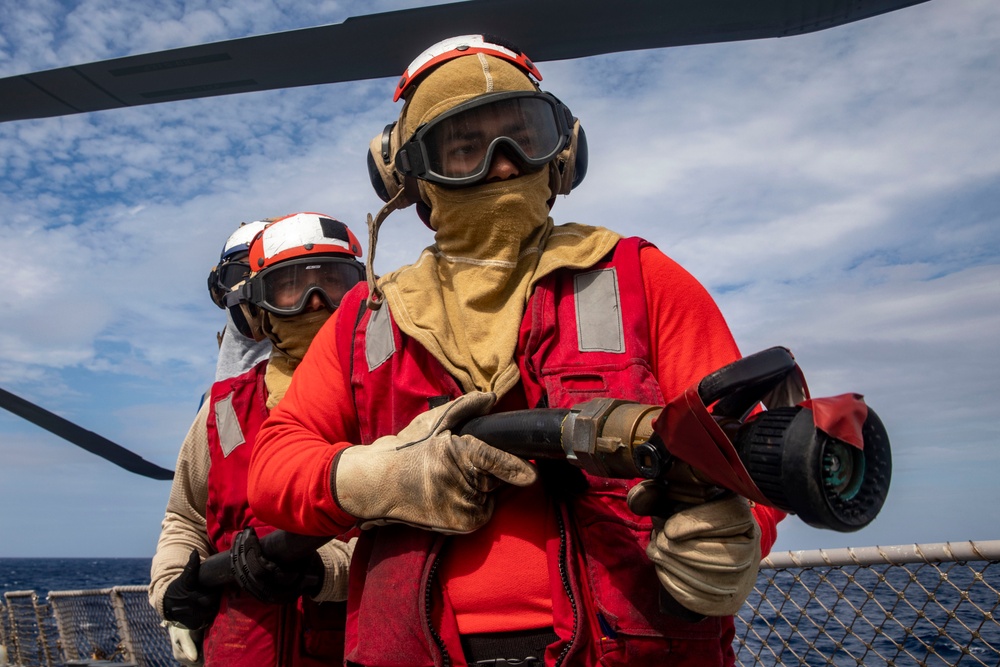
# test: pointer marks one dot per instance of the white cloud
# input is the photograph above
(835, 191)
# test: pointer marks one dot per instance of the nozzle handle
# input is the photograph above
(740, 385)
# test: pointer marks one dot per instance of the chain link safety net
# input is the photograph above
(30, 635)
(87, 627)
(933, 605)
(912, 605)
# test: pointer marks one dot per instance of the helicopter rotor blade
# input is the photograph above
(381, 45)
(81, 437)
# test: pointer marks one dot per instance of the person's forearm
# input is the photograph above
(178, 536)
(289, 482)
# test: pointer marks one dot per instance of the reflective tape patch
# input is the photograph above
(228, 426)
(379, 344)
(598, 311)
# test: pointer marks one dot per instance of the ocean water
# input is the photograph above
(66, 574)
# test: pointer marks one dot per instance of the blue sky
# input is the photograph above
(838, 193)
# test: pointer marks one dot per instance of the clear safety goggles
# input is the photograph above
(286, 289)
(224, 277)
(457, 147)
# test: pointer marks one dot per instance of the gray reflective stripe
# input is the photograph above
(379, 344)
(598, 311)
(228, 426)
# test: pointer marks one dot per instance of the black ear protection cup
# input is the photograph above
(582, 155)
(213, 288)
(246, 316)
(381, 170)
(376, 179)
(571, 163)
(240, 320)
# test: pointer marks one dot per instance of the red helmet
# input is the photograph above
(464, 45)
(296, 257)
(300, 235)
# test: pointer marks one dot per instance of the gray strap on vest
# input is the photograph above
(598, 311)
(379, 344)
(228, 426)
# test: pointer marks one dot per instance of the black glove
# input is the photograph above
(266, 580)
(187, 602)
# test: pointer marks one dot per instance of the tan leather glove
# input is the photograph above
(706, 556)
(427, 477)
(184, 643)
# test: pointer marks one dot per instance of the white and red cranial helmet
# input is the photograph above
(302, 235)
(463, 45)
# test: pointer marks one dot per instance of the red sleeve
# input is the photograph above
(767, 519)
(289, 481)
(687, 333)
(689, 340)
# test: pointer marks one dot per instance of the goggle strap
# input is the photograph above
(234, 297)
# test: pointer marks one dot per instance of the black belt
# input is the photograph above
(523, 648)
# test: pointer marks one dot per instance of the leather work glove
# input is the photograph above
(268, 581)
(706, 556)
(186, 602)
(184, 644)
(427, 477)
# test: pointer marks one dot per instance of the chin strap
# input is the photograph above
(399, 201)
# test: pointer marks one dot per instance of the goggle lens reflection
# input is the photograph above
(232, 273)
(287, 288)
(459, 146)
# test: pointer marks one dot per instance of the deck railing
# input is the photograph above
(83, 627)
(931, 604)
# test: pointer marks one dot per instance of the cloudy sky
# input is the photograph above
(838, 193)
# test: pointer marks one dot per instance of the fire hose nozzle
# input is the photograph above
(786, 457)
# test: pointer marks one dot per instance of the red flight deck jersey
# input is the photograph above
(291, 468)
(246, 631)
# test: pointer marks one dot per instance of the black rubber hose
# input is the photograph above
(526, 433)
(530, 434)
(280, 546)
